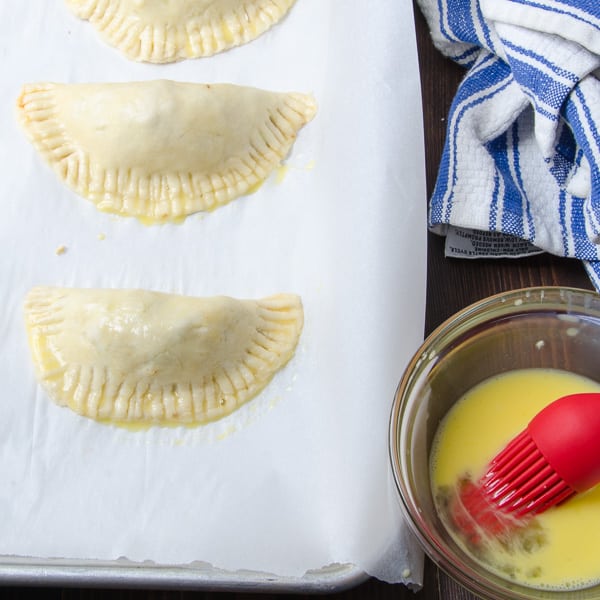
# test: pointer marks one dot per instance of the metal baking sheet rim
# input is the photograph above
(123, 573)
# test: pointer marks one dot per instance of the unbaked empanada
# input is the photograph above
(161, 150)
(149, 357)
(162, 31)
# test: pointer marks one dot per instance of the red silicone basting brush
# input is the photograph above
(556, 456)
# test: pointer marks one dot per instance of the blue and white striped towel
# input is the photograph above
(522, 151)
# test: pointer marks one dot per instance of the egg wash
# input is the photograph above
(558, 549)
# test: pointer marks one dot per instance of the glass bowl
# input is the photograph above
(542, 327)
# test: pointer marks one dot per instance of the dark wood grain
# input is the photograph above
(452, 284)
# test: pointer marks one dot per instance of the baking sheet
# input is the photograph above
(298, 478)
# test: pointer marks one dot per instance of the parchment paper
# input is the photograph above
(298, 478)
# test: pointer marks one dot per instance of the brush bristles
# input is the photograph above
(520, 481)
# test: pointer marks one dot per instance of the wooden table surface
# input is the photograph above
(451, 285)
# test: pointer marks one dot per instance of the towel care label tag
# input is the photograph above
(471, 243)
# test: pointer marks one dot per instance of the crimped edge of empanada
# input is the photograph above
(90, 392)
(191, 38)
(158, 197)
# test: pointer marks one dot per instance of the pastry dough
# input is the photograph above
(161, 150)
(149, 357)
(162, 31)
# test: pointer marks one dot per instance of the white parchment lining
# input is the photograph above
(298, 478)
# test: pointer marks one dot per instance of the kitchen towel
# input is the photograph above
(521, 162)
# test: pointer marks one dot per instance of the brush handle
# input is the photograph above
(567, 433)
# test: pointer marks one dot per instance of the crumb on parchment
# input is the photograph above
(60, 250)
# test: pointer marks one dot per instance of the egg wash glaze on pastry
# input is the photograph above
(161, 31)
(144, 357)
(161, 150)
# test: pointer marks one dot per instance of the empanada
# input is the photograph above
(161, 150)
(148, 357)
(161, 31)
